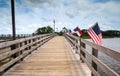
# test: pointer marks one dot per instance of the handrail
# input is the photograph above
(79, 44)
(24, 47)
(8, 43)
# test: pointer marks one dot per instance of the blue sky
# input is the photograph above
(32, 14)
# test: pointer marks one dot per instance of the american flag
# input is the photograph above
(69, 32)
(95, 34)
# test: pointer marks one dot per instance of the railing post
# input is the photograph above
(12, 48)
(38, 40)
(78, 46)
(25, 43)
(94, 65)
(67, 37)
(21, 52)
(81, 52)
(41, 40)
(74, 45)
(30, 45)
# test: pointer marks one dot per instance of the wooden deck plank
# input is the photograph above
(55, 58)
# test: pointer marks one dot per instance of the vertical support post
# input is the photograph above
(41, 42)
(94, 65)
(78, 46)
(25, 43)
(81, 52)
(30, 45)
(36, 43)
(73, 43)
(38, 40)
(21, 52)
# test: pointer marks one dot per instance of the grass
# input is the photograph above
(4, 62)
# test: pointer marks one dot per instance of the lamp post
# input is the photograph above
(13, 19)
(13, 28)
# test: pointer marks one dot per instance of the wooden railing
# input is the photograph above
(80, 46)
(15, 51)
(8, 37)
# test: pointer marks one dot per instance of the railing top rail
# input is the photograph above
(23, 47)
(110, 52)
(93, 56)
(8, 43)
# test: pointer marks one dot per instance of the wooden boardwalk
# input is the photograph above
(55, 58)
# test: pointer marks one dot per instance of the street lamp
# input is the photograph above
(13, 19)
(13, 28)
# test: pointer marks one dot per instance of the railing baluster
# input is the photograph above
(96, 62)
(94, 65)
(18, 48)
(12, 48)
(81, 52)
(76, 48)
(21, 52)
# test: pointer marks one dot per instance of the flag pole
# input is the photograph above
(54, 25)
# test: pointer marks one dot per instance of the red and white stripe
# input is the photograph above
(95, 38)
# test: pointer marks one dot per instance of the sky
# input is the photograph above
(32, 14)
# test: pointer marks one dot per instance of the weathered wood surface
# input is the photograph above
(96, 49)
(23, 49)
(55, 58)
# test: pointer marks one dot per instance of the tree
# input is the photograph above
(64, 29)
(44, 30)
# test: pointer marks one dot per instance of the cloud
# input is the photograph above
(70, 15)
(67, 13)
(30, 28)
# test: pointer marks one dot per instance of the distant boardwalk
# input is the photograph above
(55, 58)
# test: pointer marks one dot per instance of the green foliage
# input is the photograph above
(75, 34)
(44, 30)
(105, 34)
(60, 33)
(111, 33)
(64, 30)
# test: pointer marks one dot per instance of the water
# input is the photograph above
(112, 43)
